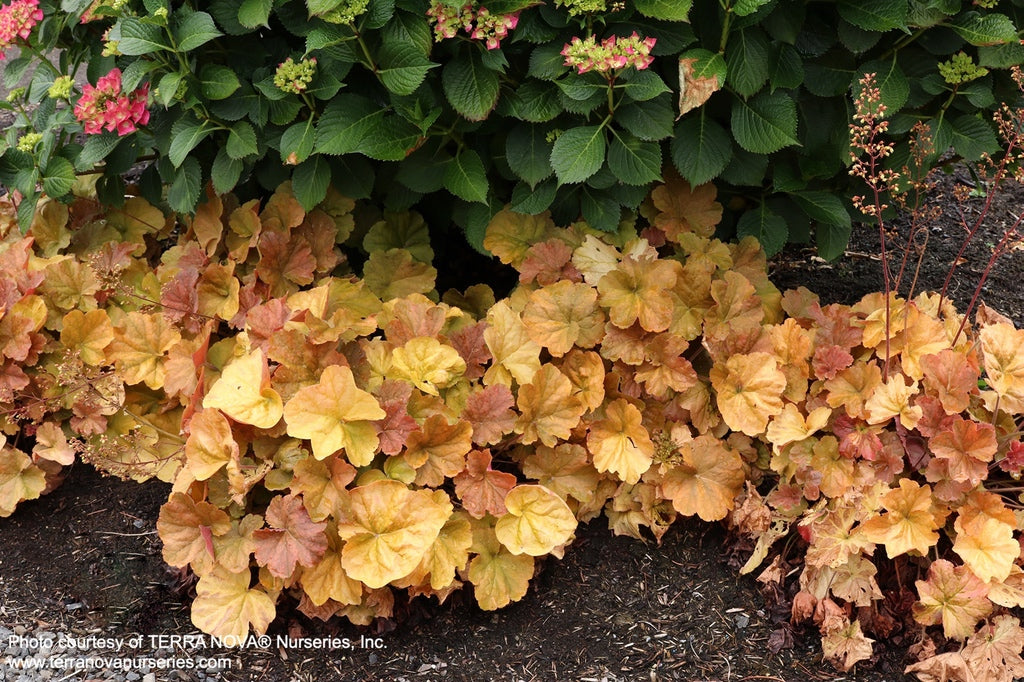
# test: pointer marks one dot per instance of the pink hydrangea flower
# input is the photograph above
(17, 21)
(611, 53)
(479, 23)
(104, 106)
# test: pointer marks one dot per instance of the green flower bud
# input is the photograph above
(28, 142)
(61, 88)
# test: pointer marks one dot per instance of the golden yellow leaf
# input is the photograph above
(565, 469)
(498, 576)
(233, 550)
(226, 607)
(326, 579)
(987, 547)
(449, 553)
(707, 479)
(851, 388)
(427, 364)
(586, 372)
(790, 425)
(388, 530)
(217, 291)
(892, 399)
(322, 485)
(510, 235)
(335, 414)
(748, 391)
(537, 521)
(20, 479)
(243, 392)
(547, 409)
(139, 348)
(395, 274)
(88, 333)
(516, 356)
(1003, 349)
(619, 443)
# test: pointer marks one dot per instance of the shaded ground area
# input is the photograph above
(86, 560)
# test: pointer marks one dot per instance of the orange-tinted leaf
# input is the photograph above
(139, 347)
(892, 399)
(394, 429)
(20, 479)
(640, 290)
(987, 547)
(88, 333)
(707, 479)
(286, 262)
(292, 539)
(243, 392)
(226, 607)
(547, 263)
(790, 425)
(1003, 348)
(438, 450)
(210, 445)
(335, 414)
(187, 528)
(52, 445)
(748, 391)
(481, 488)
(322, 484)
(910, 521)
(564, 315)
(388, 530)
(548, 410)
(516, 356)
(967, 447)
(952, 378)
(953, 596)
(619, 443)
(682, 209)
(565, 469)
(586, 372)
(489, 411)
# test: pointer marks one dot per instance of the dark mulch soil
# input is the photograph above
(87, 559)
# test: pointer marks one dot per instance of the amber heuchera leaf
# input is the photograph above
(20, 479)
(987, 547)
(1003, 348)
(844, 647)
(516, 356)
(910, 522)
(243, 392)
(564, 315)
(187, 529)
(438, 450)
(537, 521)
(967, 447)
(547, 409)
(489, 411)
(683, 209)
(327, 579)
(52, 445)
(953, 596)
(510, 235)
(292, 539)
(210, 444)
(565, 469)
(499, 577)
(322, 484)
(88, 333)
(388, 529)
(226, 607)
(481, 488)
(139, 346)
(619, 443)
(640, 290)
(748, 391)
(993, 652)
(335, 414)
(427, 364)
(706, 481)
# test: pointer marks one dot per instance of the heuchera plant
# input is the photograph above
(458, 108)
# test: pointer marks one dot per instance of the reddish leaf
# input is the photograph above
(292, 539)
(490, 413)
(482, 489)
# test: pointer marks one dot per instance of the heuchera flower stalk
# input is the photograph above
(104, 106)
